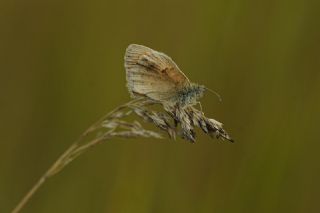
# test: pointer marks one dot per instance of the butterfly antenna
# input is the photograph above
(215, 93)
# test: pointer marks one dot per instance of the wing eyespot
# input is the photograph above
(164, 71)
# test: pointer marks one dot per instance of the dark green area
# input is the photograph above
(61, 66)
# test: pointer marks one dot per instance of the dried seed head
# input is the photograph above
(173, 120)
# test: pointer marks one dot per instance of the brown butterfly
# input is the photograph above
(155, 75)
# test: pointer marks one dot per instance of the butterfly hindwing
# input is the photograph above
(152, 73)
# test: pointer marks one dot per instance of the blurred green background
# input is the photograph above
(61, 65)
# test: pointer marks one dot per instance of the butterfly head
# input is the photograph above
(190, 94)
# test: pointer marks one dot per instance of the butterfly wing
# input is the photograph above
(152, 74)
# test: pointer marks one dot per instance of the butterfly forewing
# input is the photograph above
(152, 74)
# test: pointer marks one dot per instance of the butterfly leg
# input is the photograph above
(198, 102)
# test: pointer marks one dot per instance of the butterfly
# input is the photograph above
(155, 75)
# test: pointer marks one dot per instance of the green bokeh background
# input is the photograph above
(61, 66)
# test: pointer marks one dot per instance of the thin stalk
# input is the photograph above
(69, 155)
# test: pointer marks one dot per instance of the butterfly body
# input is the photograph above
(155, 75)
(189, 95)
